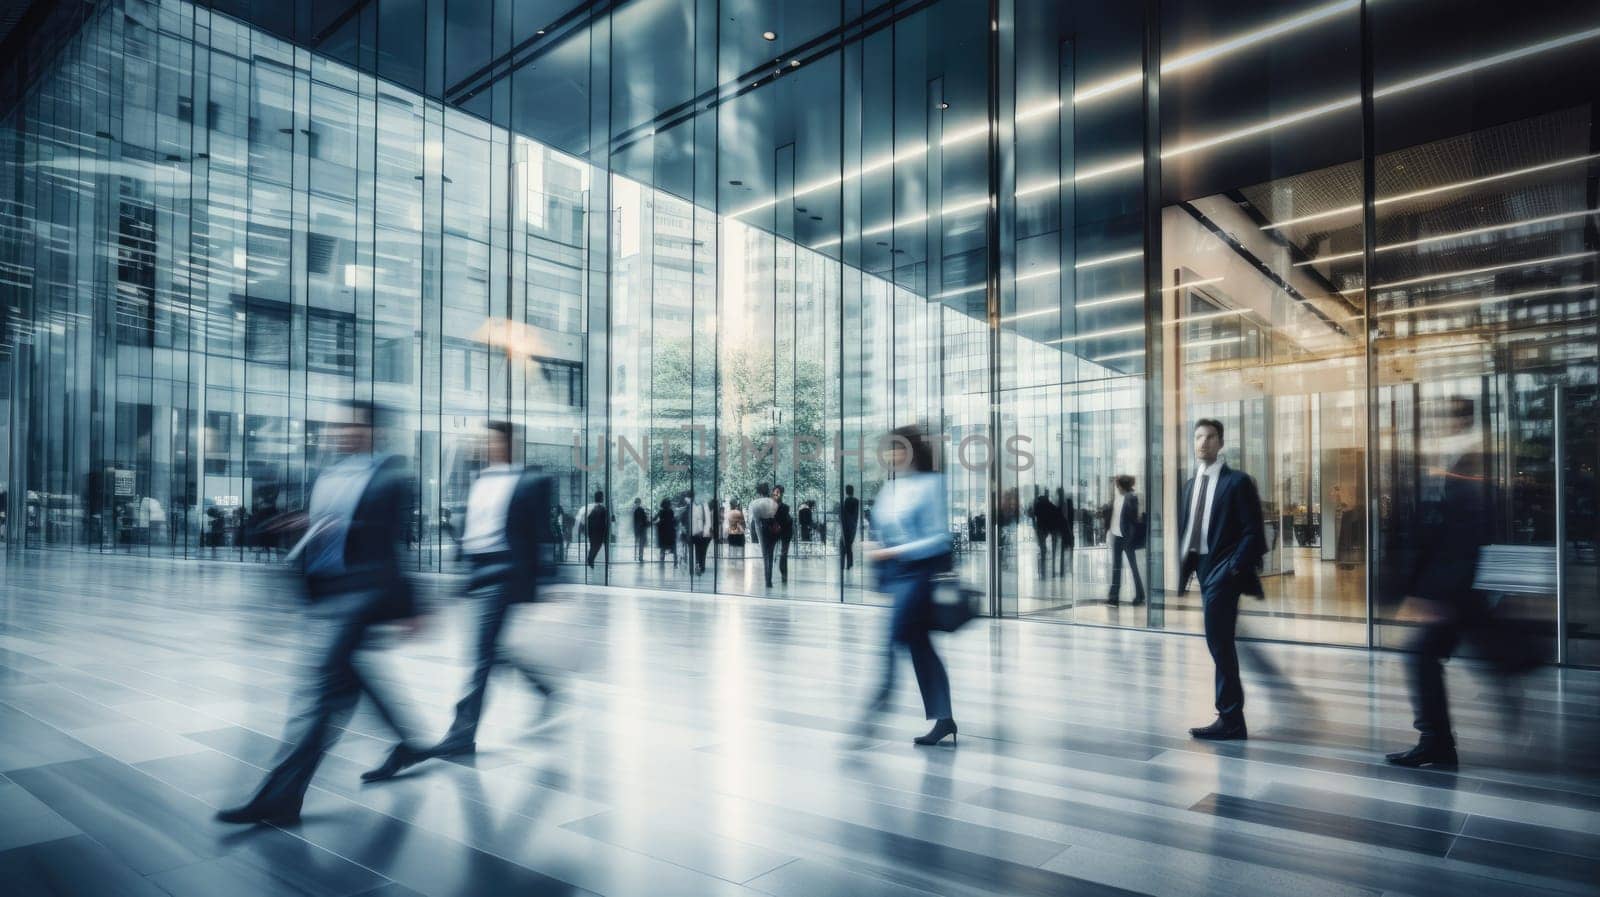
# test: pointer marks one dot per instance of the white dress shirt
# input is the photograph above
(487, 506)
(700, 519)
(1211, 472)
(1116, 515)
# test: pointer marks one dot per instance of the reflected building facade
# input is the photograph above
(740, 241)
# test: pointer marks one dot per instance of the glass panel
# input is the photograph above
(1483, 297)
(1261, 298)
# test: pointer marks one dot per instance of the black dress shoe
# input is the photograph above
(1221, 731)
(1113, 602)
(1425, 755)
(443, 751)
(401, 757)
(938, 732)
(1138, 601)
(252, 814)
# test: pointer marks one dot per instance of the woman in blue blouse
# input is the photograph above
(913, 528)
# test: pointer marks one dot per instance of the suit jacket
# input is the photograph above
(1237, 540)
(850, 516)
(531, 559)
(374, 582)
(1451, 523)
(1129, 523)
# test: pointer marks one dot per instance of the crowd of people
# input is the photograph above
(514, 536)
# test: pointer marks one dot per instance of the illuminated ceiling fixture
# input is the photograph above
(1351, 102)
(1211, 53)
(1429, 191)
(1483, 300)
(1118, 299)
(769, 35)
(1118, 356)
(1474, 232)
(954, 209)
(1097, 334)
(1029, 314)
(1108, 259)
(1035, 275)
(1529, 263)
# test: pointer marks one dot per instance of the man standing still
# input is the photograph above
(849, 517)
(357, 520)
(1222, 543)
(641, 529)
(507, 555)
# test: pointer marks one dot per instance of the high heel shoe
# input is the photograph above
(938, 732)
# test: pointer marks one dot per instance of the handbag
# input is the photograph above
(953, 603)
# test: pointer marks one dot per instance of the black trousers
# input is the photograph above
(702, 544)
(783, 559)
(1123, 548)
(595, 544)
(1434, 643)
(640, 537)
(769, 551)
(326, 700)
(1043, 540)
(489, 607)
(1221, 605)
(848, 547)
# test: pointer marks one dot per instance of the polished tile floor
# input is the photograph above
(708, 755)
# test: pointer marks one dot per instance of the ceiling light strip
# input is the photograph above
(1458, 235)
(1528, 263)
(1483, 300)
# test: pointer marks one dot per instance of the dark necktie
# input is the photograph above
(1198, 523)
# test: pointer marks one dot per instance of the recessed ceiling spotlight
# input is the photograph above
(800, 210)
(944, 105)
(736, 183)
(816, 217)
(769, 35)
(883, 242)
(794, 63)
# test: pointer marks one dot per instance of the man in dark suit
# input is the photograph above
(508, 552)
(1125, 539)
(1221, 542)
(1439, 541)
(849, 517)
(359, 512)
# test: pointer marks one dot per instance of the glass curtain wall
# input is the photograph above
(696, 246)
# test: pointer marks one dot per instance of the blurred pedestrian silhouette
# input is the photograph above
(1438, 551)
(508, 550)
(666, 532)
(596, 522)
(849, 518)
(912, 524)
(785, 532)
(358, 516)
(1126, 539)
(1222, 542)
(702, 528)
(764, 527)
(734, 526)
(641, 529)
(1061, 539)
